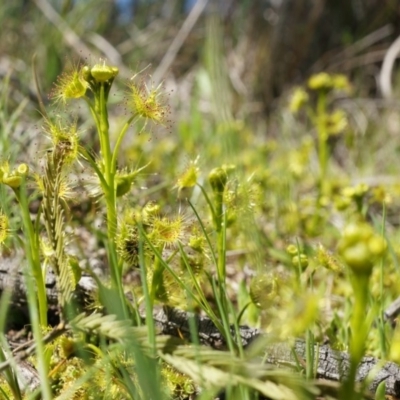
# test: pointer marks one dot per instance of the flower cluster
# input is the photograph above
(13, 178)
(360, 247)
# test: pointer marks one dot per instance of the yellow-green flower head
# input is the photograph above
(360, 247)
(189, 177)
(103, 73)
(10, 178)
(127, 241)
(263, 289)
(124, 180)
(4, 227)
(14, 178)
(357, 192)
(70, 85)
(149, 212)
(326, 260)
(321, 81)
(65, 140)
(298, 100)
(197, 242)
(342, 203)
(380, 195)
(4, 170)
(146, 101)
(22, 169)
(292, 249)
(300, 260)
(337, 122)
(340, 82)
(218, 177)
(166, 231)
(123, 183)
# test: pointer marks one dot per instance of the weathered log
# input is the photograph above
(332, 365)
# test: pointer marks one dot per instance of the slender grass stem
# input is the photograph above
(383, 343)
(38, 316)
(359, 333)
(119, 141)
(33, 253)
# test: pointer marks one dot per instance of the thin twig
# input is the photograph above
(179, 40)
(385, 76)
(27, 349)
(74, 41)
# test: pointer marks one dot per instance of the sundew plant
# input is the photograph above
(170, 251)
(109, 346)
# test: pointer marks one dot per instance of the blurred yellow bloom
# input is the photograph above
(298, 100)
(4, 227)
(321, 81)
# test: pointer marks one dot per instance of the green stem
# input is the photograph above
(35, 292)
(319, 120)
(119, 141)
(310, 355)
(209, 202)
(156, 280)
(359, 333)
(33, 254)
(382, 324)
(101, 119)
(322, 141)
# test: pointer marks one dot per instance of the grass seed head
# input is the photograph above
(65, 139)
(4, 227)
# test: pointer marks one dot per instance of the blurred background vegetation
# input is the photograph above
(228, 68)
(264, 46)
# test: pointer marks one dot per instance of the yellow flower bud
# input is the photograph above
(292, 249)
(341, 82)
(23, 169)
(358, 257)
(150, 210)
(263, 288)
(218, 179)
(14, 181)
(103, 72)
(301, 259)
(298, 100)
(360, 247)
(321, 81)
